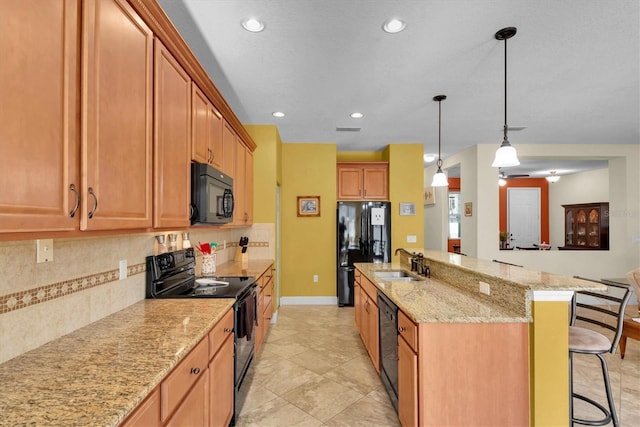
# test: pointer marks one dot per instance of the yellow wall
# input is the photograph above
(308, 244)
(406, 178)
(361, 156)
(266, 171)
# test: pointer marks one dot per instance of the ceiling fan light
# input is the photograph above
(552, 177)
(439, 179)
(506, 156)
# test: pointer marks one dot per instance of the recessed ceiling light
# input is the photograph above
(253, 25)
(394, 25)
(356, 115)
(429, 158)
(277, 114)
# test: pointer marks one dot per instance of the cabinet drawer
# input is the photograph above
(408, 330)
(183, 377)
(370, 289)
(219, 332)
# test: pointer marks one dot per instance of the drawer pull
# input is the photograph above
(195, 371)
(401, 329)
(228, 330)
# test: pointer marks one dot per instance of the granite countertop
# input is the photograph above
(96, 375)
(431, 300)
(533, 280)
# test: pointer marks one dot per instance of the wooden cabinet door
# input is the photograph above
(171, 172)
(229, 151)
(200, 132)
(239, 182)
(349, 183)
(215, 137)
(38, 113)
(194, 410)
(375, 183)
(373, 324)
(117, 93)
(221, 380)
(147, 414)
(407, 384)
(248, 186)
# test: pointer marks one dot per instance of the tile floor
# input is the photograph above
(314, 371)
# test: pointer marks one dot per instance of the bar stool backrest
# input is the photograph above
(604, 309)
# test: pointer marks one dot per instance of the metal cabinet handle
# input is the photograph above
(72, 187)
(401, 329)
(195, 371)
(95, 203)
(228, 330)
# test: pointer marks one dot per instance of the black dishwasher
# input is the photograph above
(388, 313)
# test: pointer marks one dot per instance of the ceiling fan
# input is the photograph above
(503, 175)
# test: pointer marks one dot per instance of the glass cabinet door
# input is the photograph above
(569, 227)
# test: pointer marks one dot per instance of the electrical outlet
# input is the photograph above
(44, 250)
(411, 239)
(485, 288)
(123, 269)
(315, 278)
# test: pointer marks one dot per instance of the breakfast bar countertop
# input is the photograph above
(451, 294)
(97, 374)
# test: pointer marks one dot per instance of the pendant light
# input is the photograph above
(505, 155)
(439, 179)
(552, 177)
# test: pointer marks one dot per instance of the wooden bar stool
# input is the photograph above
(587, 341)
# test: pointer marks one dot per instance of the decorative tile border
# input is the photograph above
(22, 299)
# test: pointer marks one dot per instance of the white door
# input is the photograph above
(523, 216)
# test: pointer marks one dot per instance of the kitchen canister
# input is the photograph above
(162, 246)
(173, 242)
(208, 264)
(186, 243)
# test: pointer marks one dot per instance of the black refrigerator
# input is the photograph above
(363, 235)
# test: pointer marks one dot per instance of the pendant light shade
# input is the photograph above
(439, 179)
(505, 155)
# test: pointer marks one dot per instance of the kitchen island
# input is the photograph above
(500, 359)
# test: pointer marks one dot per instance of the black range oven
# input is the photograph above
(172, 275)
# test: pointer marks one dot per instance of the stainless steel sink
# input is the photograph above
(396, 275)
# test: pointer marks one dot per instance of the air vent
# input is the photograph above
(348, 129)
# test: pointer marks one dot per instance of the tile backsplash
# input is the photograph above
(41, 302)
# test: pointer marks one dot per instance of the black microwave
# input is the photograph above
(211, 195)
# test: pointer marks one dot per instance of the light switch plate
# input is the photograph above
(44, 250)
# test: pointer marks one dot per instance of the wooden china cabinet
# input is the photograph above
(586, 226)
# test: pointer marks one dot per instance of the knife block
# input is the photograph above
(243, 258)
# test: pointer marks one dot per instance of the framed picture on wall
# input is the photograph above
(308, 205)
(430, 196)
(468, 209)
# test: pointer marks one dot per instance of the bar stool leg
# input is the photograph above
(607, 387)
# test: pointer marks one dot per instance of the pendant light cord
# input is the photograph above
(439, 132)
(505, 90)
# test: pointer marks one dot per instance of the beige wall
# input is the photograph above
(479, 234)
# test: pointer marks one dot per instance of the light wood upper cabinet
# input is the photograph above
(172, 138)
(243, 185)
(363, 180)
(206, 130)
(117, 93)
(38, 115)
(229, 145)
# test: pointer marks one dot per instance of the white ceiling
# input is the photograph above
(573, 69)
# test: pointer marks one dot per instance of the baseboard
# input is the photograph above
(308, 300)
